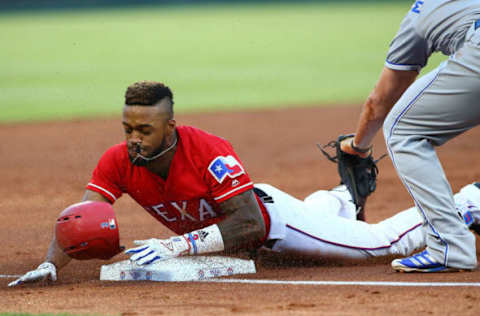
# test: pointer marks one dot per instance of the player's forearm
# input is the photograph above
(244, 227)
(242, 233)
(389, 88)
(56, 255)
(371, 120)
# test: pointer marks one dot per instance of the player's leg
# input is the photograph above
(436, 108)
(309, 228)
(467, 204)
(313, 229)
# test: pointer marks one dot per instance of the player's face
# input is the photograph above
(147, 130)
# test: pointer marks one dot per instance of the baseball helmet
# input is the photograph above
(88, 230)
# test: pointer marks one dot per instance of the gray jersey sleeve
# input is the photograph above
(430, 26)
(409, 50)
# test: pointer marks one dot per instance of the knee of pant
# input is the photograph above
(321, 200)
(393, 142)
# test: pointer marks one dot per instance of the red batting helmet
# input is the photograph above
(88, 230)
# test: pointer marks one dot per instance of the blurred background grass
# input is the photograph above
(66, 64)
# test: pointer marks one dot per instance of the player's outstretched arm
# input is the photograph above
(389, 88)
(242, 228)
(56, 259)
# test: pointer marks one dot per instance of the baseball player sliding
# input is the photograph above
(417, 116)
(195, 184)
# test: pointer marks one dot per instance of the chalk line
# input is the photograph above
(9, 276)
(361, 283)
(319, 283)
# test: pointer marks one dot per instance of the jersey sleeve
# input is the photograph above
(225, 174)
(106, 177)
(409, 50)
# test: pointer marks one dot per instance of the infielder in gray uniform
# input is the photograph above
(419, 115)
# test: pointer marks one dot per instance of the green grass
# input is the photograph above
(23, 314)
(78, 64)
(27, 314)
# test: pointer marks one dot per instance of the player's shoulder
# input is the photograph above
(201, 147)
(428, 13)
(196, 137)
(117, 153)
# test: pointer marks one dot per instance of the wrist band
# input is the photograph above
(205, 240)
(358, 149)
(194, 249)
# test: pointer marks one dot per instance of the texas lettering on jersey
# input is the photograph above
(204, 172)
(194, 211)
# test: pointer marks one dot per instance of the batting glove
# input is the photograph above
(152, 250)
(45, 271)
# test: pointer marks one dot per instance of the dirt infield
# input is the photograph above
(45, 166)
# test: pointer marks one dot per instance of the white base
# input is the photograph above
(177, 269)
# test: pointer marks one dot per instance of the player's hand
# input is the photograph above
(45, 271)
(348, 146)
(152, 250)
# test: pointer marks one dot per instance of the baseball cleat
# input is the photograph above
(420, 262)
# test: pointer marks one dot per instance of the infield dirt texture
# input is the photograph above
(44, 167)
(77, 64)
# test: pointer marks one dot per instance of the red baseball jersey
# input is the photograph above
(205, 171)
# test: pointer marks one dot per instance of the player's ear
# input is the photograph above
(170, 126)
(171, 123)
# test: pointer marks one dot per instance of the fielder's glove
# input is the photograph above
(357, 169)
(152, 250)
(45, 271)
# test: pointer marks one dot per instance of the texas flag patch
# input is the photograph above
(221, 167)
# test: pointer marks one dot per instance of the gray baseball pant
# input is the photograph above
(435, 108)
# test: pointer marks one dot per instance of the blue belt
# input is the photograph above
(477, 24)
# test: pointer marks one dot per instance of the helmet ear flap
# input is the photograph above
(88, 230)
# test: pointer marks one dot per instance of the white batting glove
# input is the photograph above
(43, 272)
(152, 250)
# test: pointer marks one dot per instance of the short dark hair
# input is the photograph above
(148, 93)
